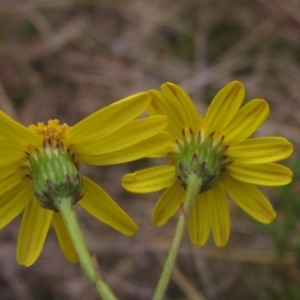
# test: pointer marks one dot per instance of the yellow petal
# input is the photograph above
(100, 205)
(168, 204)
(165, 151)
(247, 120)
(13, 201)
(181, 101)
(161, 105)
(109, 119)
(64, 238)
(249, 198)
(269, 174)
(10, 168)
(199, 220)
(134, 152)
(10, 129)
(224, 107)
(131, 134)
(260, 150)
(150, 180)
(10, 151)
(12, 180)
(33, 231)
(219, 214)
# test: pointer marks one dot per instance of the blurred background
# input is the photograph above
(65, 59)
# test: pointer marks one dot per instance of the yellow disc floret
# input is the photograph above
(52, 131)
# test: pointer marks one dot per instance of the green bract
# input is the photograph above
(55, 175)
(202, 158)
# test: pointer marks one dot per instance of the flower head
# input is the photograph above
(41, 164)
(218, 149)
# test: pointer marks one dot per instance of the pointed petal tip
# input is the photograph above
(169, 83)
(269, 216)
(222, 242)
(199, 242)
(285, 177)
(128, 178)
(143, 95)
(26, 261)
(128, 229)
(158, 220)
(261, 108)
(289, 178)
(236, 86)
(161, 121)
(173, 87)
(154, 93)
(237, 83)
(128, 182)
(221, 238)
(131, 230)
(264, 103)
(289, 148)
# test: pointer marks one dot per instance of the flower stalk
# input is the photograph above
(193, 186)
(90, 269)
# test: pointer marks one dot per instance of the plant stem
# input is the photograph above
(86, 261)
(192, 191)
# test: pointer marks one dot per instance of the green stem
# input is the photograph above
(86, 261)
(192, 191)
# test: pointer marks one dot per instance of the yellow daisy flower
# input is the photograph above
(219, 149)
(34, 159)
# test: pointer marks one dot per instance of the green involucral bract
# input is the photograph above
(55, 175)
(202, 158)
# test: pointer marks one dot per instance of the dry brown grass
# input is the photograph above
(65, 59)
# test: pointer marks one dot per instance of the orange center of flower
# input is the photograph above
(52, 131)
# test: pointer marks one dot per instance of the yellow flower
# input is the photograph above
(108, 136)
(239, 162)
